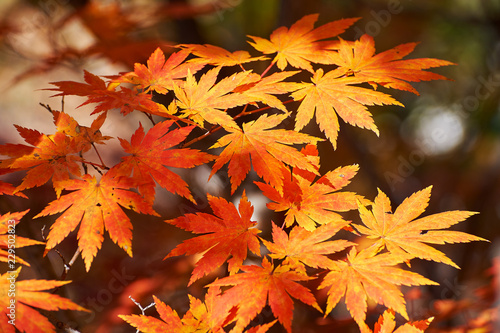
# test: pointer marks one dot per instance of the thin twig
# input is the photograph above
(97, 152)
(150, 118)
(47, 107)
(67, 266)
(140, 307)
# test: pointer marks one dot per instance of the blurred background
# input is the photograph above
(448, 137)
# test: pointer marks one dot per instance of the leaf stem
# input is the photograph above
(201, 137)
(268, 68)
(97, 152)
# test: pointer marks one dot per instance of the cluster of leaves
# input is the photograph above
(344, 77)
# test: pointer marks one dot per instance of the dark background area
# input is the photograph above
(448, 137)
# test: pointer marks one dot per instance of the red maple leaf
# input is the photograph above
(259, 285)
(228, 233)
(160, 75)
(107, 97)
(151, 153)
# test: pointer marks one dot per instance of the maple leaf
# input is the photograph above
(402, 234)
(95, 205)
(29, 294)
(228, 233)
(260, 284)
(203, 100)
(300, 45)
(333, 94)
(368, 274)
(50, 156)
(151, 153)
(267, 149)
(305, 247)
(386, 324)
(217, 56)
(86, 136)
(106, 95)
(310, 204)
(208, 316)
(160, 75)
(386, 68)
(7, 234)
(263, 89)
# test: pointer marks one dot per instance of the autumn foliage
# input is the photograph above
(260, 119)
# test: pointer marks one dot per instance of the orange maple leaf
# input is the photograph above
(386, 68)
(301, 44)
(302, 247)
(368, 274)
(386, 324)
(204, 100)
(228, 233)
(263, 89)
(9, 240)
(402, 234)
(333, 94)
(50, 156)
(217, 56)
(151, 154)
(160, 75)
(208, 316)
(86, 136)
(311, 204)
(26, 295)
(267, 283)
(267, 148)
(95, 205)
